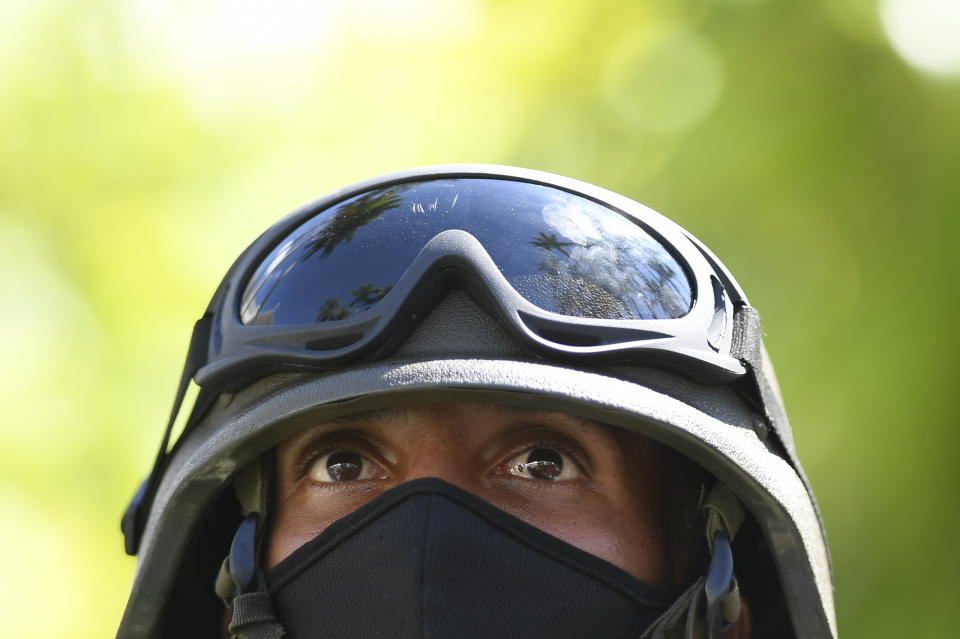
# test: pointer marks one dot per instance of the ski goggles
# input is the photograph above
(570, 270)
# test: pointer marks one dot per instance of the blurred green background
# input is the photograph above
(815, 146)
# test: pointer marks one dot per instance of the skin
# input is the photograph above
(611, 496)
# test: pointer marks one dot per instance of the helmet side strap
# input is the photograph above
(712, 602)
(251, 485)
(240, 583)
(724, 516)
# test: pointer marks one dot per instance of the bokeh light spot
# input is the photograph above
(663, 81)
(430, 22)
(233, 56)
(926, 33)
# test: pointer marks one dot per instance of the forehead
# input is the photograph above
(464, 420)
(452, 411)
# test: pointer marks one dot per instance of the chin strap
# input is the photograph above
(240, 584)
(243, 589)
(712, 603)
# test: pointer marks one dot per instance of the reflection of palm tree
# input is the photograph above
(664, 279)
(621, 282)
(325, 234)
(575, 291)
(366, 295)
(350, 217)
(550, 242)
(332, 310)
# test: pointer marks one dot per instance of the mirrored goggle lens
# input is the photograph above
(562, 252)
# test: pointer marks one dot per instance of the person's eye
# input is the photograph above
(340, 466)
(545, 463)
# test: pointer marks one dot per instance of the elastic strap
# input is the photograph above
(748, 347)
(135, 517)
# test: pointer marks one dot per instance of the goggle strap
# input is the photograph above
(746, 337)
(748, 347)
(135, 517)
(196, 358)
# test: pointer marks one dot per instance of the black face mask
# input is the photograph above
(427, 560)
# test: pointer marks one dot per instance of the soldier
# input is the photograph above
(478, 401)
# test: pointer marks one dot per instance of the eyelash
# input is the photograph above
(576, 456)
(308, 460)
(307, 463)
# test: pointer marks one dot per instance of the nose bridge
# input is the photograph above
(439, 452)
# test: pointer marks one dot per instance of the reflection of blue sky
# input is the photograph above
(616, 254)
(269, 273)
(607, 264)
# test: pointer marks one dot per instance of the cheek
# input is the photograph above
(625, 539)
(305, 513)
(618, 528)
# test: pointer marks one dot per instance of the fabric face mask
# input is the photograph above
(427, 560)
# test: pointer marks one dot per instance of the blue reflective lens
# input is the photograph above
(564, 253)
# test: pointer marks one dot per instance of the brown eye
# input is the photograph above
(339, 466)
(543, 463)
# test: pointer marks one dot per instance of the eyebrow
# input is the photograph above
(367, 416)
(397, 412)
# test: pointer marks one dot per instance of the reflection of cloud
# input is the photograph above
(567, 216)
(613, 269)
(926, 33)
(663, 80)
